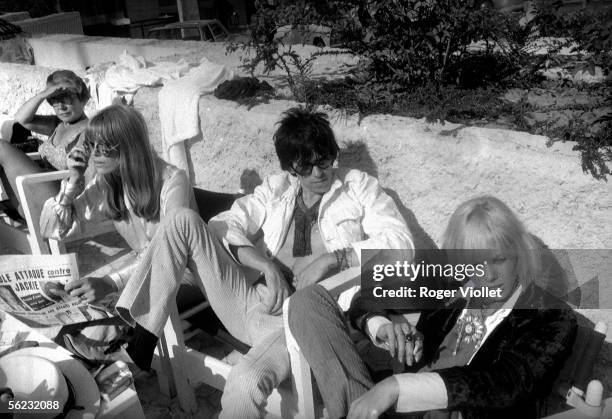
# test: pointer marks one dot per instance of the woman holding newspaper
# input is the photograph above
(132, 187)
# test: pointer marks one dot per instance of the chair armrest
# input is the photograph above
(41, 178)
(34, 156)
(342, 281)
(32, 209)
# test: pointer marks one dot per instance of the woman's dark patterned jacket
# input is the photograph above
(517, 363)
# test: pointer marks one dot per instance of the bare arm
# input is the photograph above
(26, 114)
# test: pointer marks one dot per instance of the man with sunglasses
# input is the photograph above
(297, 228)
(315, 218)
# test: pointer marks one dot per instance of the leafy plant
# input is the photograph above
(418, 59)
(587, 31)
(595, 147)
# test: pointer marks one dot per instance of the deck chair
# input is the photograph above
(27, 238)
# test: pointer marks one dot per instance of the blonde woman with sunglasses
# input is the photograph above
(132, 187)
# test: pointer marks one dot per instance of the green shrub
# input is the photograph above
(403, 43)
(418, 61)
(588, 29)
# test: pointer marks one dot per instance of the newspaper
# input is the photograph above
(32, 289)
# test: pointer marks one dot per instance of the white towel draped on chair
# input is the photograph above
(178, 107)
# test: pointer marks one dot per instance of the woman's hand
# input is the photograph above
(91, 289)
(52, 90)
(402, 339)
(77, 164)
(315, 271)
(26, 114)
(376, 401)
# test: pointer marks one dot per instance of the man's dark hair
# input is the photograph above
(303, 136)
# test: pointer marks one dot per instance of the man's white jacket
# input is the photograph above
(355, 212)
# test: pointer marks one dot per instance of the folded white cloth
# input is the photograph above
(178, 107)
(129, 74)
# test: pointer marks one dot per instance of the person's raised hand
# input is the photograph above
(376, 401)
(278, 289)
(53, 90)
(91, 289)
(77, 163)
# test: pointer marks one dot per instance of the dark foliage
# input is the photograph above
(419, 60)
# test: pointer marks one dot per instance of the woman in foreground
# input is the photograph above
(486, 357)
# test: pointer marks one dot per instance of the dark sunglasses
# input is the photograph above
(61, 100)
(100, 149)
(306, 169)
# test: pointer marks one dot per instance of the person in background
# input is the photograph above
(482, 358)
(297, 228)
(67, 94)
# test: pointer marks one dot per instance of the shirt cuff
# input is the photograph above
(373, 325)
(421, 392)
(67, 193)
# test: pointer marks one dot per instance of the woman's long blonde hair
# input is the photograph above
(139, 175)
(486, 223)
